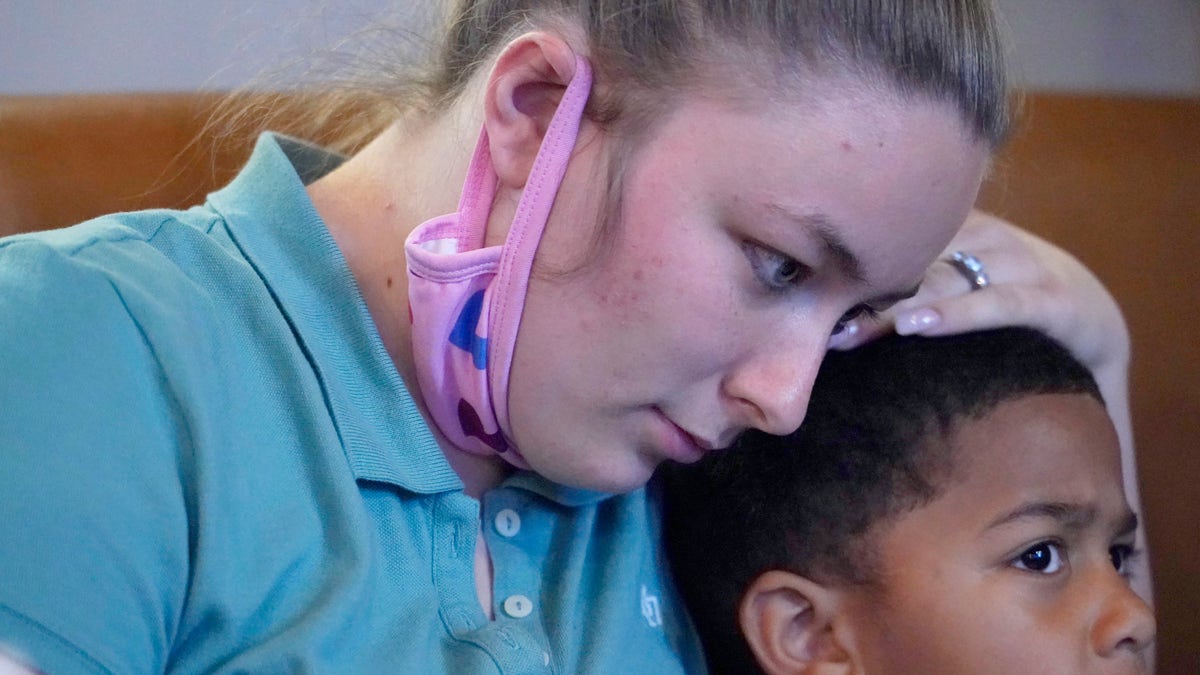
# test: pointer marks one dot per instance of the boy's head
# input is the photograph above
(950, 505)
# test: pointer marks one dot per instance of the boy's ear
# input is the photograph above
(523, 91)
(790, 623)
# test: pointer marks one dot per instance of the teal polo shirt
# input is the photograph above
(208, 463)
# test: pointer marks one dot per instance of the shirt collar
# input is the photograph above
(561, 494)
(273, 221)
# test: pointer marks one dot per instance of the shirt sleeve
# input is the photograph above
(93, 515)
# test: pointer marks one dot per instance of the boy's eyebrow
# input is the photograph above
(1128, 524)
(1071, 516)
(1074, 516)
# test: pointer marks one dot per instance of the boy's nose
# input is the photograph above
(772, 388)
(1125, 625)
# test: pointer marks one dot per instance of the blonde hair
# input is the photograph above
(644, 51)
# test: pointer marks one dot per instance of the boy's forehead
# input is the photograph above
(1058, 451)
(1059, 448)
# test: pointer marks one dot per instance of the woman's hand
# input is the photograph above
(1032, 283)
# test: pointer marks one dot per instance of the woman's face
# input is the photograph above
(745, 234)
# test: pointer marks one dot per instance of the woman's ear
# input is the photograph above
(790, 623)
(523, 91)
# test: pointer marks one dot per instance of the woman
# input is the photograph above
(313, 425)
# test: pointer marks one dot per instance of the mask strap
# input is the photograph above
(533, 210)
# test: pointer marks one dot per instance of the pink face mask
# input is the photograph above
(466, 299)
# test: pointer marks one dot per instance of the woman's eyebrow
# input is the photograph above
(890, 299)
(826, 231)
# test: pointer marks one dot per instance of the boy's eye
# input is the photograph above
(1043, 558)
(1120, 555)
(774, 270)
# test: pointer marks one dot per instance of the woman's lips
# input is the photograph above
(677, 443)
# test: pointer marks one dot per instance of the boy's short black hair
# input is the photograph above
(869, 450)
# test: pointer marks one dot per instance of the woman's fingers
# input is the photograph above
(1031, 282)
(993, 307)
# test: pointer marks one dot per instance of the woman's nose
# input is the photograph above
(1125, 624)
(772, 388)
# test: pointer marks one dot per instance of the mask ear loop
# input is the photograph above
(479, 190)
(533, 210)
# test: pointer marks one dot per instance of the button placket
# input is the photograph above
(507, 523)
(518, 606)
(515, 582)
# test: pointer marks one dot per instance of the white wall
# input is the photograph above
(1146, 46)
(1150, 46)
(121, 45)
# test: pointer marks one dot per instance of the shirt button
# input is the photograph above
(518, 606)
(508, 523)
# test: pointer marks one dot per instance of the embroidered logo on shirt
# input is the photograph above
(650, 609)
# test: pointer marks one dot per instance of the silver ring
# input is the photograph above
(971, 268)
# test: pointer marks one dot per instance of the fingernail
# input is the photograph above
(917, 321)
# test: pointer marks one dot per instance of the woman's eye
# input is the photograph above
(773, 269)
(854, 313)
(1043, 558)
(786, 272)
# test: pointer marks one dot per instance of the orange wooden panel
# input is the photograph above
(1116, 181)
(64, 159)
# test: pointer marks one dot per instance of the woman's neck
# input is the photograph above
(408, 174)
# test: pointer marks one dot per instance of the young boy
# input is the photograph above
(950, 505)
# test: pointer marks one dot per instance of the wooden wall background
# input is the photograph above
(1115, 180)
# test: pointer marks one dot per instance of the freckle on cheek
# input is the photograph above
(637, 275)
(389, 282)
(847, 146)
